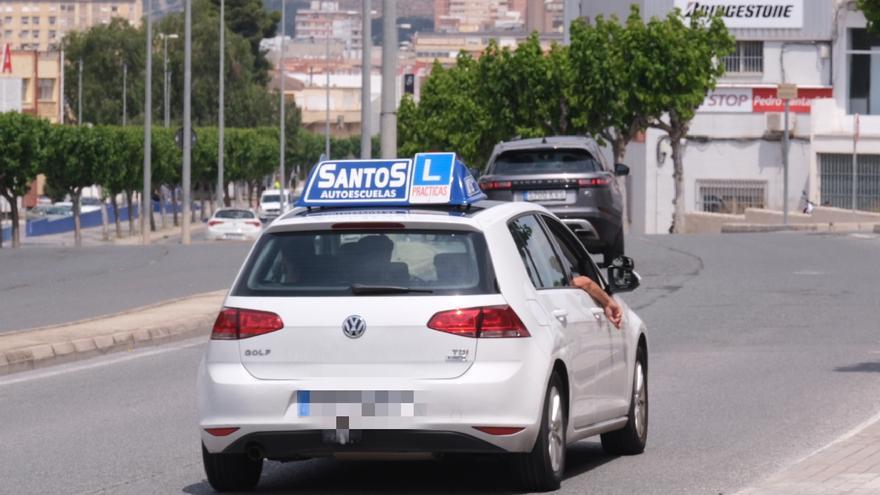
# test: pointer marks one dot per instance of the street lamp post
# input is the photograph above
(166, 97)
(79, 96)
(327, 93)
(220, 115)
(283, 201)
(146, 195)
(124, 94)
(187, 122)
(366, 34)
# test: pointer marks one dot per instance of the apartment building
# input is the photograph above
(42, 24)
(325, 20)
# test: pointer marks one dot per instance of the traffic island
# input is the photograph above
(150, 325)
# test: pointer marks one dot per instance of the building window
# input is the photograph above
(7, 19)
(25, 84)
(52, 20)
(46, 89)
(35, 34)
(35, 21)
(26, 20)
(748, 58)
(7, 33)
(864, 79)
(52, 34)
(24, 34)
(730, 196)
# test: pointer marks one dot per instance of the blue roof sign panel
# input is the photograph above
(430, 178)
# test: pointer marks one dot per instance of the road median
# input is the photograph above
(191, 316)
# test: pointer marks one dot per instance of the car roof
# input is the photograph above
(480, 215)
(546, 142)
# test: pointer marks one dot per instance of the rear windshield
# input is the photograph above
(336, 263)
(234, 214)
(271, 198)
(545, 161)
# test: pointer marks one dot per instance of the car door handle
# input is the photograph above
(560, 314)
(598, 313)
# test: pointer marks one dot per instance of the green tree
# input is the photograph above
(73, 156)
(871, 9)
(682, 64)
(103, 50)
(251, 20)
(21, 153)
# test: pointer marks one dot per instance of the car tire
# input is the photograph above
(631, 439)
(231, 472)
(615, 249)
(541, 469)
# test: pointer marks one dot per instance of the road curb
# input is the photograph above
(74, 349)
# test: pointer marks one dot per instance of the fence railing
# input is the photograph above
(730, 195)
(836, 181)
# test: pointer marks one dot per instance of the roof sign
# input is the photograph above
(429, 178)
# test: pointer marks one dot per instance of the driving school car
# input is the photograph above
(397, 310)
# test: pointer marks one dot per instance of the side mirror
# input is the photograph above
(621, 275)
(620, 169)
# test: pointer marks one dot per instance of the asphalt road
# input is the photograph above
(763, 348)
(50, 285)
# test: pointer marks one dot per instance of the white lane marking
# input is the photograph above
(809, 272)
(99, 362)
(863, 236)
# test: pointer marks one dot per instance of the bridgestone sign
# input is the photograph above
(749, 14)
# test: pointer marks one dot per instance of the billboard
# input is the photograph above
(749, 14)
(759, 100)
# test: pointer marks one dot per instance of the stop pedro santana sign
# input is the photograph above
(760, 100)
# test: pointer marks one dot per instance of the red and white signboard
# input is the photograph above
(759, 100)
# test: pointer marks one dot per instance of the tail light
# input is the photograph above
(222, 432)
(495, 185)
(212, 223)
(235, 324)
(485, 322)
(597, 182)
(255, 223)
(499, 430)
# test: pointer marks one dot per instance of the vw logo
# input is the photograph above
(354, 326)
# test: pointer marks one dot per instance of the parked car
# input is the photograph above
(86, 205)
(234, 223)
(570, 177)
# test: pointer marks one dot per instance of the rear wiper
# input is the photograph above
(361, 289)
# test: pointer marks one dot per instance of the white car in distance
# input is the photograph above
(234, 223)
(418, 328)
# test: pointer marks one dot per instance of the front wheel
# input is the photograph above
(631, 439)
(231, 472)
(541, 469)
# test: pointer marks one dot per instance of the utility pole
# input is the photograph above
(855, 164)
(366, 62)
(147, 196)
(786, 92)
(327, 93)
(124, 94)
(388, 117)
(221, 117)
(61, 89)
(283, 206)
(79, 97)
(187, 122)
(166, 96)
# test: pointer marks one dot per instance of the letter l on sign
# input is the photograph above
(426, 173)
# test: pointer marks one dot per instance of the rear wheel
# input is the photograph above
(615, 248)
(231, 472)
(541, 469)
(631, 439)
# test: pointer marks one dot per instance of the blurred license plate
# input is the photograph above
(552, 195)
(234, 236)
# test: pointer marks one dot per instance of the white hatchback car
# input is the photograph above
(419, 328)
(233, 223)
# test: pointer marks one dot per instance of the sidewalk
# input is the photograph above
(849, 465)
(93, 236)
(156, 324)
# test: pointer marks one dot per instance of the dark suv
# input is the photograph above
(569, 176)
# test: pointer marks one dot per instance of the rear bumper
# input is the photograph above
(412, 415)
(287, 445)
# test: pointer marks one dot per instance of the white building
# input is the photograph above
(733, 156)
